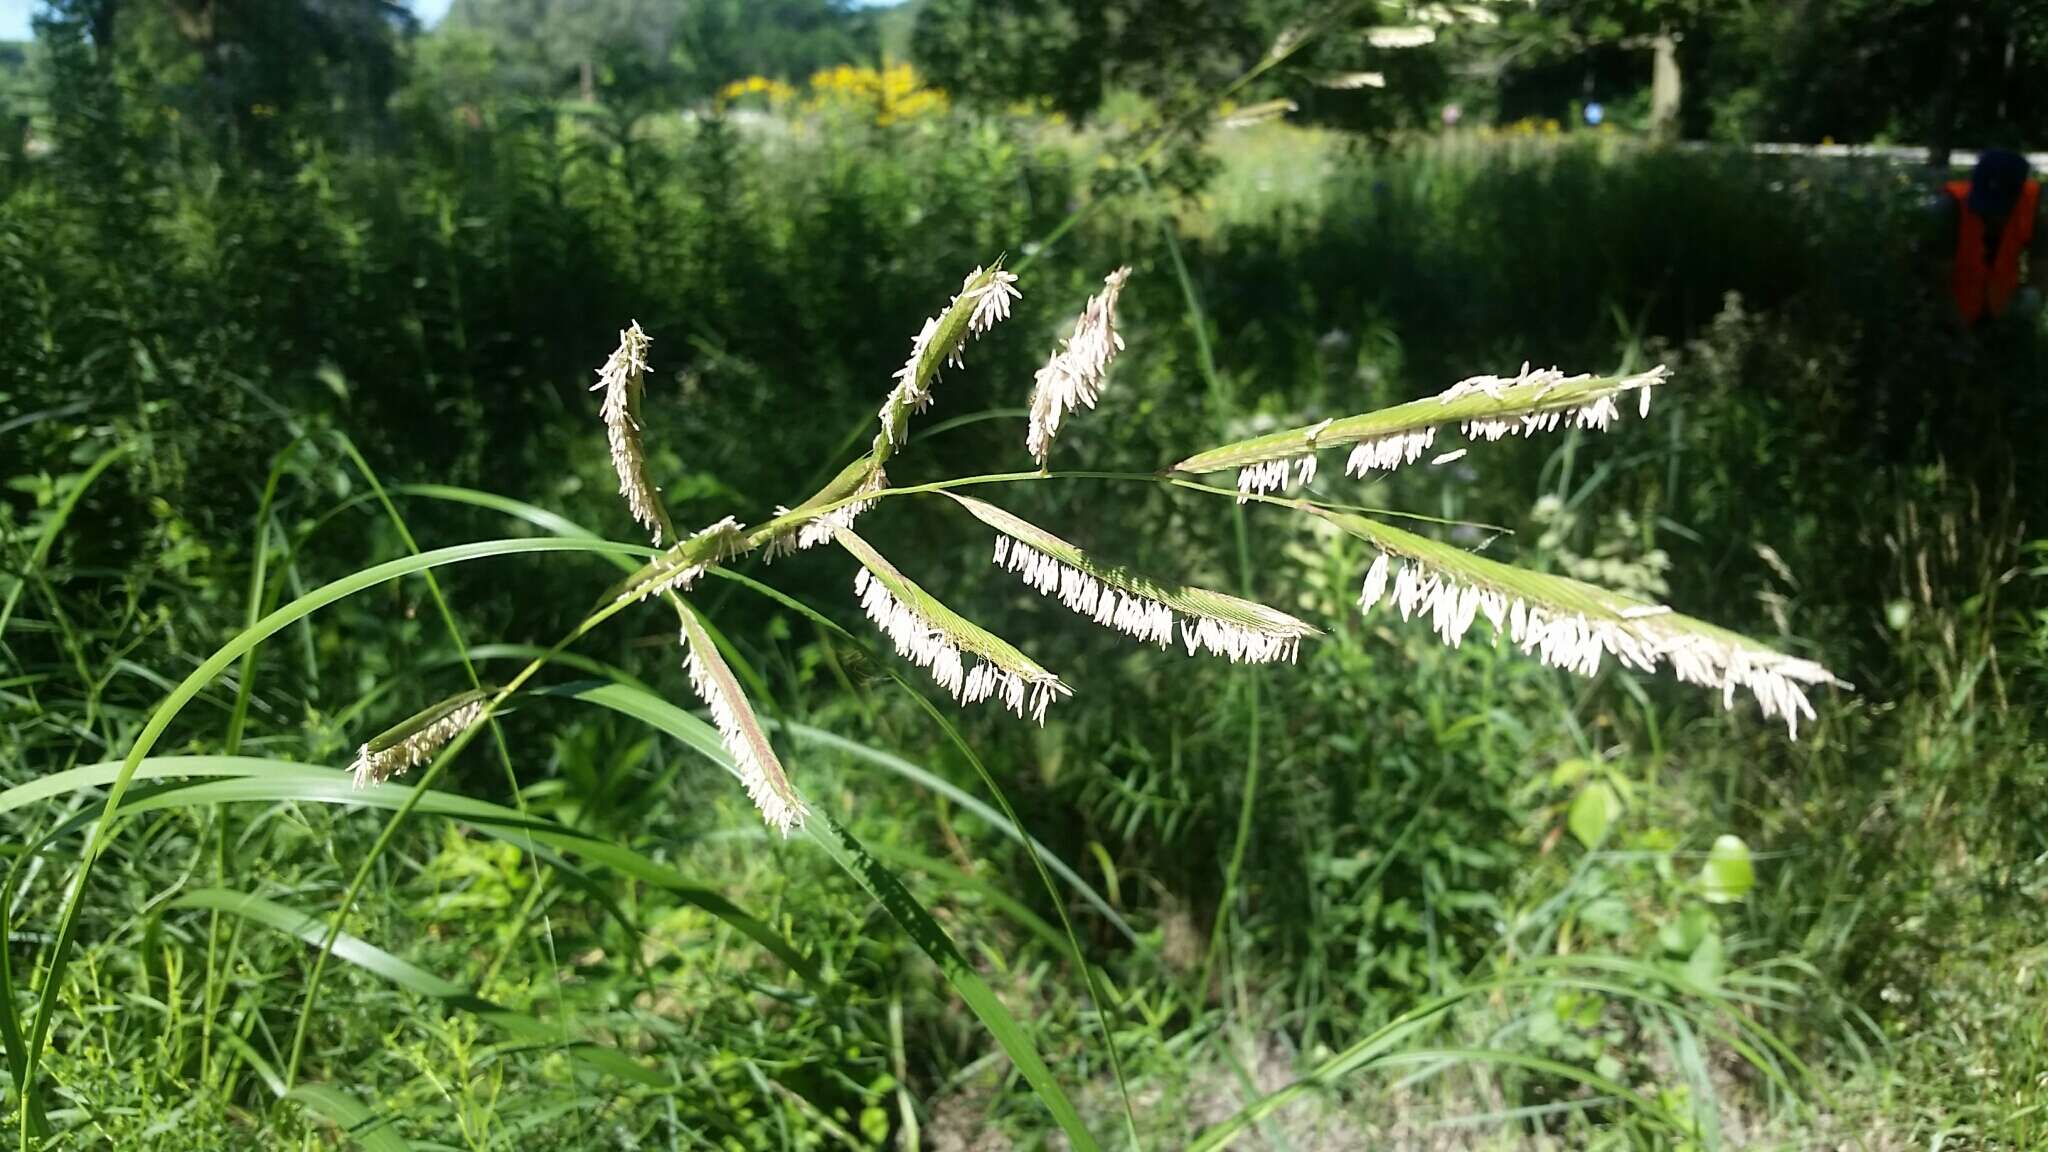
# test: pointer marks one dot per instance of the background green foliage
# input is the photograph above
(240, 252)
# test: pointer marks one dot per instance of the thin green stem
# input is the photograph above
(412, 799)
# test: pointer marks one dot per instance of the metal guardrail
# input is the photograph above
(1895, 153)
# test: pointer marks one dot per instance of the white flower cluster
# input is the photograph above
(1569, 640)
(821, 529)
(1141, 616)
(377, 767)
(1386, 453)
(713, 545)
(929, 647)
(991, 302)
(766, 784)
(1274, 475)
(620, 378)
(1072, 378)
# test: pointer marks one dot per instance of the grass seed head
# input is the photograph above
(621, 378)
(982, 302)
(1072, 378)
(739, 730)
(1575, 626)
(415, 740)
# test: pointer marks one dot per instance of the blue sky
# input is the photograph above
(14, 15)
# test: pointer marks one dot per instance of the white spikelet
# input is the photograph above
(620, 378)
(821, 529)
(1595, 415)
(1353, 81)
(987, 295)
(1275, 475)
(991, 300)
(759, 769)
(1387, 453)
(928, 646)
(374, 765)
(678, 569)
(1072, 378)
(1375, 586)
(1640, 636)
(1414, 36)
(1143, 617)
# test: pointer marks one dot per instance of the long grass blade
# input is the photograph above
(222, 659)
(415, 979)
(370, 1132)
(247, 779)
(54, 527)
(886, 890)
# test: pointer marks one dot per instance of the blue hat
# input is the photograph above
(1995, 182)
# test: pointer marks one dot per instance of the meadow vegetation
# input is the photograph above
(1389, 893)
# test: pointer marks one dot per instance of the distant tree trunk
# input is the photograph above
(1954, 66)
(1666, 84)
(586, 81)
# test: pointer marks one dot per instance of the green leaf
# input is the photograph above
(1593, 812)
(369, 1131)
(241, 779)
(886, 890)
(883, 886)
(1728, 874)
(417, 980)
(187, 690)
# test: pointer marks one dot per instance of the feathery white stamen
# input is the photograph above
(1275, 475)
(759, 770)
(991, 300)
(1448, 457)
(1141, 616)
(1386, 453)
(677, 569)
(1396, 37)
(990, 303)
(924, 644)
(620, 378)
(1596, 415)
(375, 767)
(1072, 378)
(821, 529)
(1639, 638)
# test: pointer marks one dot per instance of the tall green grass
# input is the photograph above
(1367, 865)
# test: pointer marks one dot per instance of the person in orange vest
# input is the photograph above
(1994, 212)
